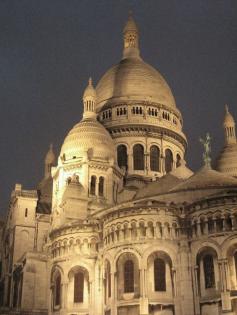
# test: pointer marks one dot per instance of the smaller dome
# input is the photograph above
(227, 160)
(206, 178)
(50, 156)
(182, 171)
(74, 190)
(88, 139)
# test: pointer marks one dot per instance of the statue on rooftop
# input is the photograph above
(207, 149)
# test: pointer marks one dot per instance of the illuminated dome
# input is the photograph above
(227, 159)
(133, 79)
(88, 138)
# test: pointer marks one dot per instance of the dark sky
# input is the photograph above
(49, 48)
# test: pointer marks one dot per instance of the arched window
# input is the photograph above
(154, 158)
(108, 279)
(138, 157)
(128, 276)
(209, 273)
(168, 160)
(93, 185)
(122, 156)
(101, 186)
(57, 292)
(159, 275)
(235, 259)
(178, 160)
(78, 287)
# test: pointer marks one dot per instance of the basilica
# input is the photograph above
(119, 224)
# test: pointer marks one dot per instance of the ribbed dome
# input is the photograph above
(206, 178)
(227, 161)
(89, 139)
(133, 79)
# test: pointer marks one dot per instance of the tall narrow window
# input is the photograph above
(128, 276)
(93, 185)
(154, 158)
(209, 273)
(235, 259)
(101, 186)
(57, 296)
(138, 157)
(159, 275)
(26, 212)
(78, 287)
(122, 156)
(178, 160)
(168, 160)
(109, 280)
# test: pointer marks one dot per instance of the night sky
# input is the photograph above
(49, 48)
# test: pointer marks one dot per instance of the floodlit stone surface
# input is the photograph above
(120, 225)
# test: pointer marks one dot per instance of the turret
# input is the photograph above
(229, 127)
(89, 101)
(131, 39)
(49, 161)
(227, 159)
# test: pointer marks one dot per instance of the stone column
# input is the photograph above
(214, 221)
(224, 222)
(144, 307)
(206, 226)
(199, 232)
(225, 295)
(233, 221)
(115, 295)
(196, 290)
(65, 288)
(185, 279)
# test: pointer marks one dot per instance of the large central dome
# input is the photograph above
(133, 79)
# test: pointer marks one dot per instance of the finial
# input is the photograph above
(226, 108)
(51, 146)
(207, 150)
(90, 81)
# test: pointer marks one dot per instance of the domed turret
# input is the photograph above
(130, 38)
(89, 101)
(229, 127)
(88, 139)
(49, 161)
(227, 160)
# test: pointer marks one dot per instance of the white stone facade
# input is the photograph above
(120, 225)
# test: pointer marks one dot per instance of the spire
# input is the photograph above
(49, 161)
(89, 101)
(229, 127)
(130, 39)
